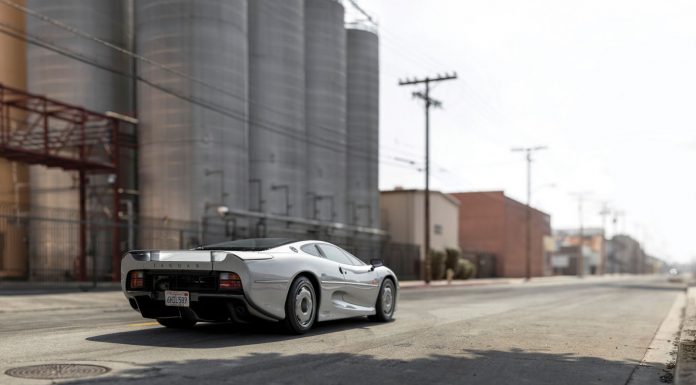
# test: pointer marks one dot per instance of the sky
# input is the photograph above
(609, 86)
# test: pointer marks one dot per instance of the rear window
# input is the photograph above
(252, 244)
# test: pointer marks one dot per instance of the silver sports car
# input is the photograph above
(275, 279)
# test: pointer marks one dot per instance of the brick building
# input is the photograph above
(490, 222)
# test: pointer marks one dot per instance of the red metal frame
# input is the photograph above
(37, 130)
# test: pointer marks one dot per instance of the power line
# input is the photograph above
(136, 56)
(176, 72)
(210, 106)
(328, 144)
(364, 13)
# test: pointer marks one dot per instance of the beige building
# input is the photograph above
(403, 218)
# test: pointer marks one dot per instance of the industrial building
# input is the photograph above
(492, 223)
(235, 118)
(626, 255)
(403, 215)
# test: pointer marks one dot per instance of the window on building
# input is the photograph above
(438, 229)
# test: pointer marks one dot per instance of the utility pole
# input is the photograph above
(528, 152)
(581, 258)
(429, 102)
(604, 213)
(619, 214)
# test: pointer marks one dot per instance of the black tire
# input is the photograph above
(176, 323)
(386, 302)
(300, 306)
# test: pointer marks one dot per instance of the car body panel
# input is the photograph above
(344, 290)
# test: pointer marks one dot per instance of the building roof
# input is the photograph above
(448, 197)
(500, 193)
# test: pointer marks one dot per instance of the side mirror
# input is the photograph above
(376, 262)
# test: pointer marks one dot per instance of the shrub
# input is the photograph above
(452, 258)
(465, 269)
(437, 264)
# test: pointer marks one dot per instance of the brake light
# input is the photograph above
(230, 281)
(137, 279)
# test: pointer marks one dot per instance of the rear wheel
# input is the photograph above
(300, 306)
(176, 323)
(386, 302)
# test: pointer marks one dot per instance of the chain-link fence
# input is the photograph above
(43, 245)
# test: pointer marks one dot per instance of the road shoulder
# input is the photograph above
(686, 356)
(657, 364)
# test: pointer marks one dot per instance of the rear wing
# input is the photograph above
(195, 255)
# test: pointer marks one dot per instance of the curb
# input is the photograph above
(685, 372)
(55, 287)
(412, 284)
(443, 286)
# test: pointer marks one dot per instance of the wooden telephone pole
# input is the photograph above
(429, 102)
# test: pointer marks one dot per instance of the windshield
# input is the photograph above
(253, 244)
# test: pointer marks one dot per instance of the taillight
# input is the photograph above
(230, 281)
(137, 279)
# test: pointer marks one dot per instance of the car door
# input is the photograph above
(362, 280)
(331, 275)
(332, 283)
(358, 296)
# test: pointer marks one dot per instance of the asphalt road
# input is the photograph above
(568, 332)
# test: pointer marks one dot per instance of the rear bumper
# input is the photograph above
(205, 307)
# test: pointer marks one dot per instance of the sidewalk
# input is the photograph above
(62, 301)
(509, 281)
(29, 287)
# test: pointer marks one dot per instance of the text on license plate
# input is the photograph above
(176, 298)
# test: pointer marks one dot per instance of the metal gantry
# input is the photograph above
(37, 130)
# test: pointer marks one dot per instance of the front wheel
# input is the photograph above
(176, 323)
(386, 302)
(300, 306)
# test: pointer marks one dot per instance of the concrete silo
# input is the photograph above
(193, 136)
(325, 63)
(362, 121)
(277, 149)
(55, 192)
(13, 175)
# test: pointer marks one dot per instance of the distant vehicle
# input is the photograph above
(297, 283)
(675, 276)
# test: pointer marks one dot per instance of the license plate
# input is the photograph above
(176, 298)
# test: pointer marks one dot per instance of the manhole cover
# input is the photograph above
(57, 371)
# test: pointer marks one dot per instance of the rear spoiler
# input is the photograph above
(181, 255)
